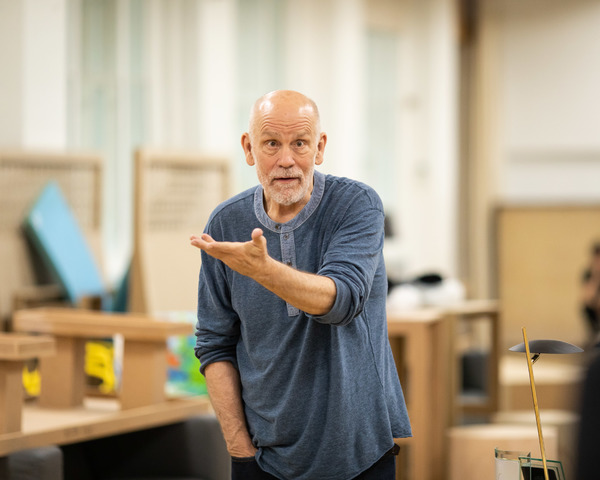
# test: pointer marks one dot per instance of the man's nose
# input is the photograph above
(286, 159)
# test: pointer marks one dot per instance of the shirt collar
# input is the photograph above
(303, 215)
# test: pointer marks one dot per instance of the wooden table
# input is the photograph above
(144, 369)
(62, 415)
(420, 342)
(423, 344)
(95, 418)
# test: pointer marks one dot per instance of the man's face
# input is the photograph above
(285, 145)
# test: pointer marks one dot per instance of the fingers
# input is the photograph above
(256, 234)
(208, 244)
(204, 237)
(201, 241)
(258, 239)
(195, 241)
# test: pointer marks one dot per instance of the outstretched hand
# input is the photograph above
(248, 258)
(309, 292)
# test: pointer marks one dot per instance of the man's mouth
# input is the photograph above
(286, 180)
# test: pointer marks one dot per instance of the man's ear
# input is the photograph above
(321, 148)
(247, 146)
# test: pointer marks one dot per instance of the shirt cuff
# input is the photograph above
(341, 313)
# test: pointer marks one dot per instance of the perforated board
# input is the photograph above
(175, 194)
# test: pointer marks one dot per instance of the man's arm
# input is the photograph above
(224, 389)
(313, 294)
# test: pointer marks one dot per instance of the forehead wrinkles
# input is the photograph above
(279, 126)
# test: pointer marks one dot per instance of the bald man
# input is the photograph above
(292, 331)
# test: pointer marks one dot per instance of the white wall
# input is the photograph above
(428, 181)
(33, 84)
(550, 101)
(175, 74)
(548, 128)
(243, 50)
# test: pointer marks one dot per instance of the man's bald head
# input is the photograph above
(285, 102)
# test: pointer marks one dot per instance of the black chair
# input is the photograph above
(191, 450)
(44, 463)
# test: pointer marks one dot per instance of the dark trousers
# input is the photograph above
(383, 469)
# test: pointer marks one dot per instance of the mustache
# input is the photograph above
(294, 173)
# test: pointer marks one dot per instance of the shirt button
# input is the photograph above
(286, 236)
(277, 227)
(288, 263)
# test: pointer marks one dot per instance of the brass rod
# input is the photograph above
(535, 404)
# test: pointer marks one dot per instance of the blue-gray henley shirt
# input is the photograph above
(321, 393)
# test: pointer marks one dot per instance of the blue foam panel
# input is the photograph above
(54, 231)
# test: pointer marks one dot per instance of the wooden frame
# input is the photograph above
(471, 311)
(15, 350)
(23, 174)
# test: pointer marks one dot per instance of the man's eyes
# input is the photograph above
(296, 143)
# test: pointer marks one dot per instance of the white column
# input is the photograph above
(443, 128)
(216, 73)
(154, 72)
(166, 70)
(348, 88)
(324, 59)
(33, 55)
(428, 182)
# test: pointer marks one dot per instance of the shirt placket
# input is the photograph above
(288, 256)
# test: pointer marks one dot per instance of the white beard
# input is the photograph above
(287, 195)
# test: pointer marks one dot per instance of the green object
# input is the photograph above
(184, 377)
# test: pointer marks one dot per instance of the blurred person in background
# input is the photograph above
(590, 295)
(589, 424)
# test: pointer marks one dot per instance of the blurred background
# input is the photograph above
(453, 110)
(477, 122)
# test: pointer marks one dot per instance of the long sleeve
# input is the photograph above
(352, 259)
(217, 328)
